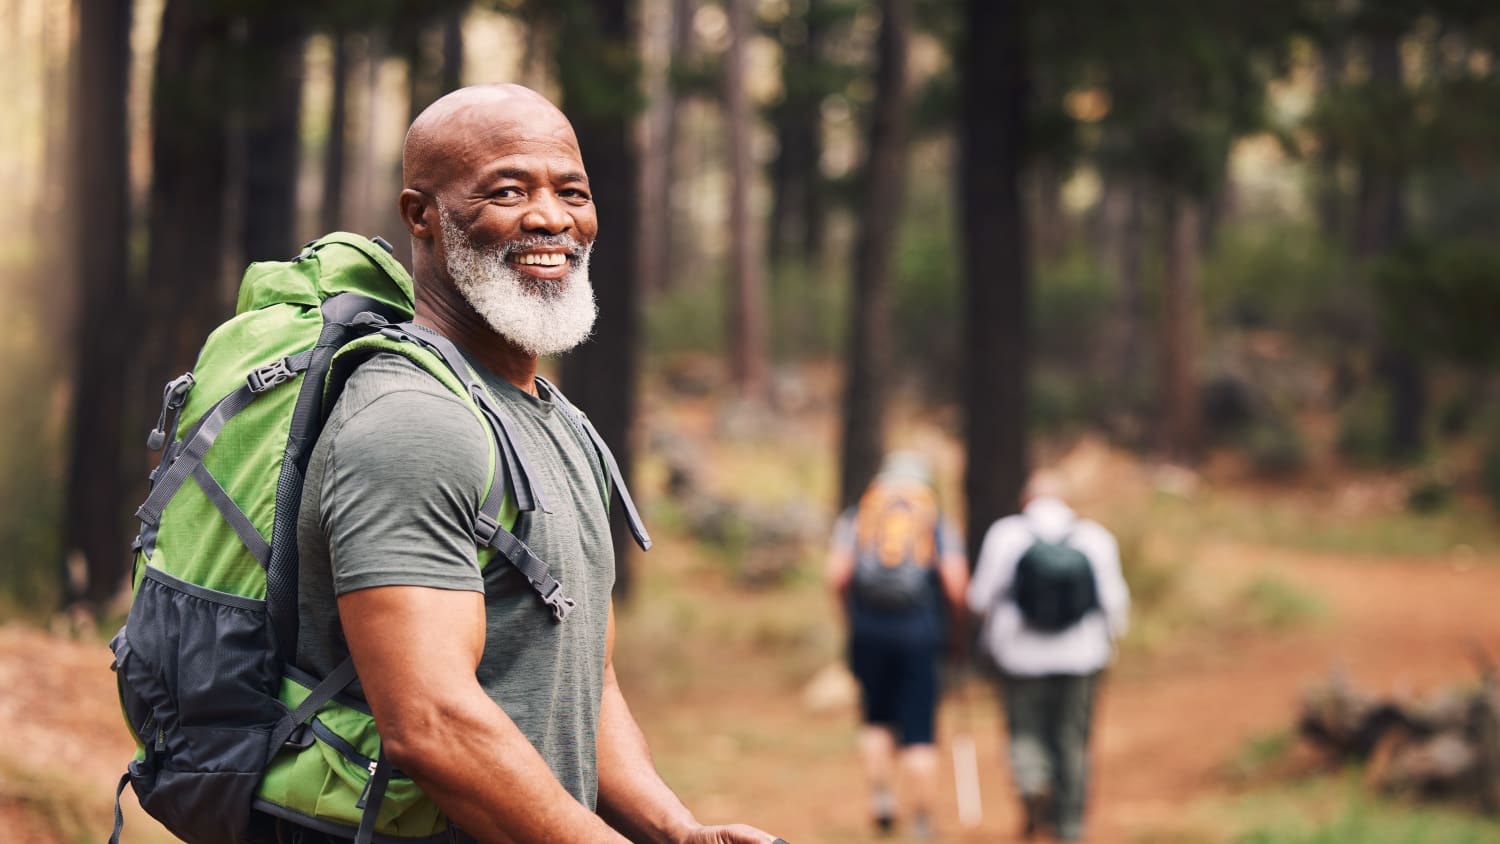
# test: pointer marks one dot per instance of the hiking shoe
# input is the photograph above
(883, 807)
(1036, 810)
(921, 827)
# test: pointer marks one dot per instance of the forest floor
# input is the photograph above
(1247, 594)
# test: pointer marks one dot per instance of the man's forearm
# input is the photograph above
(633, 798)
(489, 780)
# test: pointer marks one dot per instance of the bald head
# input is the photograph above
(1044, 483)
(452, 135)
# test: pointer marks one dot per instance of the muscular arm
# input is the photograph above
(633, 798)
(416, 650)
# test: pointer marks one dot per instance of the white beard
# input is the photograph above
(540, 317)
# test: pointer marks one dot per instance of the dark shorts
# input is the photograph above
(898, 684)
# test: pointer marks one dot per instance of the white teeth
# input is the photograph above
(542, 259)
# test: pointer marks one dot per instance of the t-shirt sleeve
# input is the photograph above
(401, 488)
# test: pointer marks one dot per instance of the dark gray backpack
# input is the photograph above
(1054, 585)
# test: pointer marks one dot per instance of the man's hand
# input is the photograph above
(733, 834)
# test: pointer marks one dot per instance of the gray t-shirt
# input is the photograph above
(392, 489)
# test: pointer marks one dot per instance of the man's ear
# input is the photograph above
(415, 208)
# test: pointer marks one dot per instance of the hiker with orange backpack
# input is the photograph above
(898, 569)
(1049, 588)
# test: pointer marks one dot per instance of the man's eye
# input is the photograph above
(506, 193)
(573, 193)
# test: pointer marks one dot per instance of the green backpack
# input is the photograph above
(227, 728)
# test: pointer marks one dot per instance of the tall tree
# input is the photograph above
(186, 207)
(599, 76)
(798, 215)
(100, 216)
(997, 268)
(1381, 226)
(883, 196)
(749, 346)
(268, 78)
(331, 216)
(1181, 422)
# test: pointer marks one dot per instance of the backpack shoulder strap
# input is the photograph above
(512, 476)
(612, 466)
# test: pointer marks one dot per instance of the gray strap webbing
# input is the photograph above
(202, 436)
(509, 464)
(581, 421)
(379, 779)
(536, 572)
(337, 680)
(114, 836)
(518, 470)
(256, 544)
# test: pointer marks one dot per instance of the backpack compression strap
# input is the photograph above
(511, 469)
(582, 423)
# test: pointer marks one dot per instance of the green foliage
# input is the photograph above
(1363, 821)
(1260, 753)
(926, 296)
(1275, 448)
(1275, 603)
(1430, 494)
(1364, 426)
(1489, 472)
(686, 320)
(1440, 299)
(1287, 275)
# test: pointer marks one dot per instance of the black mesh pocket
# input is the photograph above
(198, 678)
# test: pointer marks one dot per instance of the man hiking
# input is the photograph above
(898, 570)
(1049, 587)
(509, 720)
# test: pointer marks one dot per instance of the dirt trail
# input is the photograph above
(741, 746)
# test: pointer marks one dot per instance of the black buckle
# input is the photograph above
(173, 397)
(561, 604)
(265, 377)
(301, 737)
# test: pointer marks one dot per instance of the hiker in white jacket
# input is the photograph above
(1048, 677)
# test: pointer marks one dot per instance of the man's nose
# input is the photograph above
(547, 214)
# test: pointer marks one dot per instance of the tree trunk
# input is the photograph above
(451, 72)
(332, 215)
(749, 350)
(1181, 428)
(270, 81)
(600, 375)
(1330, 198)
(101, 339)
(1382, 225)
(1121, 254)
(186, 206)
(997, 268)
(796, 175)
(657, 133)
(868, 367)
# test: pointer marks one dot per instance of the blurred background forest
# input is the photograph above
(1238, 264)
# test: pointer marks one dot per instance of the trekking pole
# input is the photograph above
(966, 761)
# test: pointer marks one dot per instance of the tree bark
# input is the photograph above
(1181, 425)
(451, 72)
(796, 176)
(331, 217)
(270, 83)
(749, 348)
(868, 357)
(997, 268)
(600, 375)
(658, 130)
(1382, 225)
(186, 287)
(100, 220)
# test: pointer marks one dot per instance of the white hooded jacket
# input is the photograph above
(1084, 648)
